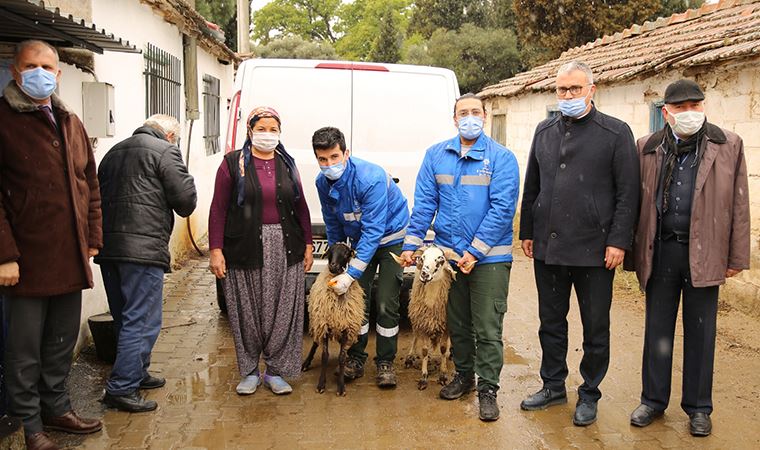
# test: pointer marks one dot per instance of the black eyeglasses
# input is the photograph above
(574, 90)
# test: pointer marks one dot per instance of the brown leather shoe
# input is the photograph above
(72, 423)
(40, 441)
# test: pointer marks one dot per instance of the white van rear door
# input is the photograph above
(307, 98)
(398, 114)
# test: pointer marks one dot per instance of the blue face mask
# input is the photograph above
(470, 127)
(573, 107)
(38, 83)
(335, 171)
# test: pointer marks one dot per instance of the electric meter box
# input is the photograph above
(98, 109)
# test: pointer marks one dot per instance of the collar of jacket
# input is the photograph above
(20, 102)
(150, 131)
(587, 118)
(477, 151)
(713, 133)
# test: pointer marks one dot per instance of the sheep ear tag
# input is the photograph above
(396, 258)
(332, 283)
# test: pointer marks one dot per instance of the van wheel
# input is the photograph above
(220, 297)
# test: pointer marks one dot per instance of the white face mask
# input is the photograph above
(686, 123)
(265, 142)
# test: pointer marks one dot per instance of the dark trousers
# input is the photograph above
(475, 317)
(2, 352)
(669, 281)
(135, 297)
(389, 279)
(593, 287)
(42, 332)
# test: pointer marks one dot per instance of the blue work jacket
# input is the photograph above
(472, 198)
(366, 206)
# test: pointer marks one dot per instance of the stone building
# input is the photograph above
(717, 45)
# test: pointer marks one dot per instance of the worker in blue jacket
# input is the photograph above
(361, 202)
(469, 184)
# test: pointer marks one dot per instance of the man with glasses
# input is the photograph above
(579, 207)
(469, 184)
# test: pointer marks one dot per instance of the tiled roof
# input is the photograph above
(714, 32)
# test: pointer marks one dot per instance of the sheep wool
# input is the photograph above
(427, 305)
(330, 313)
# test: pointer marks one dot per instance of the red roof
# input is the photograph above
(714, 32)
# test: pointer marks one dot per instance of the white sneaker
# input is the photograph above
(248, 385)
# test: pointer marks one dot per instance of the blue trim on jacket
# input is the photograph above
(366, 206)
(472, 198)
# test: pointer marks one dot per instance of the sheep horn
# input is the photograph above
(396, 258)
(451, 255)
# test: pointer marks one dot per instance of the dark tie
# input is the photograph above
(49, 114)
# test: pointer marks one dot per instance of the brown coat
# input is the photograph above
(49, 197)
(719, 235)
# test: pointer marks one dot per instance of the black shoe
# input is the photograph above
(354, 369)
(700, 424)
(585, 413)
(386, 376)
(151, 382)
(459, 386)
(543, 399)
(644, 415)
(489, 409)
(133, 402)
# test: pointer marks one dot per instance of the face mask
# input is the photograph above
(470, 127)
(265, 142)
(335, 171)
(38, 83)
(687, 123)
(573, 107)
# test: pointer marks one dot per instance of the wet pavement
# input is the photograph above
(199, 408)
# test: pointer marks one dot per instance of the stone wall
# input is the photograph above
(732, 101)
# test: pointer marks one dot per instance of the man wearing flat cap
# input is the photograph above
(693, 233)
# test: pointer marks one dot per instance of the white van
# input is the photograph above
(389, 113)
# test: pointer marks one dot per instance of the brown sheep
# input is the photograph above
(333, 316)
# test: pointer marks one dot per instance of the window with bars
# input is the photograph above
(163, 79)
(211, 124)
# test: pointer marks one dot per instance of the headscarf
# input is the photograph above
(257, 113)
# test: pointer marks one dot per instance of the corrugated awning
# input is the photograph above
(30, 19)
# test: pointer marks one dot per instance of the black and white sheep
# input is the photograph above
(333, 316)
(427, 307)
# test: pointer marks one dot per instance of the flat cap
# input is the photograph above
(682, 91)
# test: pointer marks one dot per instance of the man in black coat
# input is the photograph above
(143, 182)
(579, 207)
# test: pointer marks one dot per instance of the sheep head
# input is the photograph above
(338, 256)
(432, 262)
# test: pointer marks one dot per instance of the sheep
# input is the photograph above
(427, 307)
(334, 316)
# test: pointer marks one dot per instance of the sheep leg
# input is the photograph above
(422, 384)
(443, 376)
(342, 363)
(307, 362)
(323, 373)
(409, 361)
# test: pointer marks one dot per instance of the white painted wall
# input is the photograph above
(133, 21)
(732, 101)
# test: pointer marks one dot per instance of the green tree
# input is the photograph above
(549, 27)
(361, 22)
(295, 47)
(222, 13)
(313, 20)
(478, 56)
(430, 15)
(387, 45)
